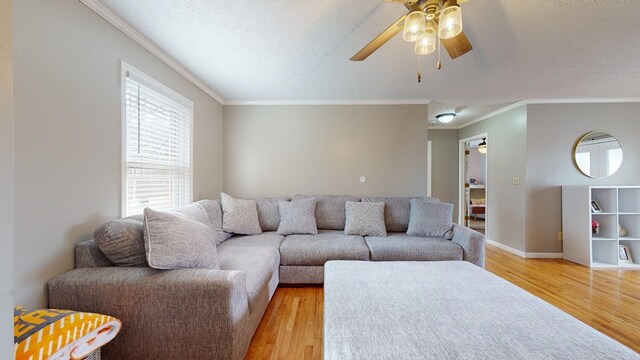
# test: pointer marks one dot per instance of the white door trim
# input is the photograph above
(461, 202)
(429, 167)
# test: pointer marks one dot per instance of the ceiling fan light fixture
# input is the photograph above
(482, 147)
(414, 26)
(445, 118)
(450, 23)
(427, 44)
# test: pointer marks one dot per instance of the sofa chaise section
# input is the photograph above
(177, 314)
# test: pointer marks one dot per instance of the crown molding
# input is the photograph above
(538, 102)
(333, 102)
(136, 36)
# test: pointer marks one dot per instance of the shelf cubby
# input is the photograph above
(608, 226)
(607, 198)
(605, 252)
(634, 249)
(629, 200)
(631, 223)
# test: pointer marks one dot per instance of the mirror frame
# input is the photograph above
(575, 148)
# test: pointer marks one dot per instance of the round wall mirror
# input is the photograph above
(598, 155)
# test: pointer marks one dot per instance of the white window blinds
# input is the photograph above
(157, 145)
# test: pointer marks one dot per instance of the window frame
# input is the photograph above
(164, 90)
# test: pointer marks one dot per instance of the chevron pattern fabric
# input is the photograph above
(60, 334)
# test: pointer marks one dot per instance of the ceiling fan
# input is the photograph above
(426, 22)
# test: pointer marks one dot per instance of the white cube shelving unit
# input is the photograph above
(620, 205)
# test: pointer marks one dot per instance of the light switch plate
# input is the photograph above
(516, 180)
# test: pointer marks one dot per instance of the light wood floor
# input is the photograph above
(608, 300)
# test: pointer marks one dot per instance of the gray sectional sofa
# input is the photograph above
(213, 314)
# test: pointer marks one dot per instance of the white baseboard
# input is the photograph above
(523, 254)
(543, 255)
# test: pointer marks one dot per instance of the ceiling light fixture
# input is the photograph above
(482, 147)
(429, 23)
(445, 118)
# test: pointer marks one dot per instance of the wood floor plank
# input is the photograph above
(606, 299)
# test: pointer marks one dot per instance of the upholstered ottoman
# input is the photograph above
(447, 310)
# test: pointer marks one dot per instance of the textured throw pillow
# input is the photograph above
(298, 217)
(214, 221)
(173, 241)
(430, 218)
(122, 242)
(365, 219)
(239, 216)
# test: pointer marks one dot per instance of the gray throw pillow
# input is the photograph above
(239, 216)
(214, 221)
(173, 241)
(121, 241)
(298, 217)
(365, 219)
(430, 219)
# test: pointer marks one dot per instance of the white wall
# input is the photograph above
(6, 180)
(506, 158)
(67, 134)
(552, 132)
(284, 150)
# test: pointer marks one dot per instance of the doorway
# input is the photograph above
(473, 205)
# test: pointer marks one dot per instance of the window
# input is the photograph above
(583, 159)
(157, 145)
(614, 160)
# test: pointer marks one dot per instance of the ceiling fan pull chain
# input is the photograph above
(419, 70)
(439, 63)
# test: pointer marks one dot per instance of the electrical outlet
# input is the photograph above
(363, 179)
(559, 235)
(516, 180)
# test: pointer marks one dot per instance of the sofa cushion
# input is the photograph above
(214, 220)
(265, 239)
(269, 213)
(175, 241)
(364, 218)
(297, 217)
(259, 263)
(396, 211)
(122, 241)
(239, 216)
(402, 247)
(330, 210)
(318, 249)
(429, 218)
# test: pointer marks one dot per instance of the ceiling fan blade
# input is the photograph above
(380, 40)
(457, 46)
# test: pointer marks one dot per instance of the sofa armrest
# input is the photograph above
(472, 243)
(166, 314)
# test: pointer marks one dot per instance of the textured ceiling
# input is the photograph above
(299, 50)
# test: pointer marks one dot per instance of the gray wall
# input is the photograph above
(68, 137)
(444, 166)
(552, 131)
(506, 158)
(284, 150)
(6, 180)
